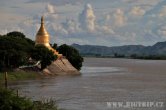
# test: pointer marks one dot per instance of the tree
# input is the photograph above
(20, 35)
(15, 50)
(44, 55)
(72, 55)
(54, 46)
(16, 34)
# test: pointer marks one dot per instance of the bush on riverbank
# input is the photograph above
(10, 101)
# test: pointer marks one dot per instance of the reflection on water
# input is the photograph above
(100, 71)
(100, 84)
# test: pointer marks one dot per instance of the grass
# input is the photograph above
(19, 75)
(14, 76)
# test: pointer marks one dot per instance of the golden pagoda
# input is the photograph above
(43, 38)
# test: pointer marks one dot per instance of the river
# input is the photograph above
(103, 81)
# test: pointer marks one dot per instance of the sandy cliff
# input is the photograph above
(61, 67)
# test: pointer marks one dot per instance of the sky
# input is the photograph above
(92, 22)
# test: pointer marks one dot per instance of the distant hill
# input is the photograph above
(127, 50)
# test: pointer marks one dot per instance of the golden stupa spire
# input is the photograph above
(42, 36)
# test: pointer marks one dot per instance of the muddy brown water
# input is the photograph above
(103, 80)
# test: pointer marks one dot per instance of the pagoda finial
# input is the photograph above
(42, 20)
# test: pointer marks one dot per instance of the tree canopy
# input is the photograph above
(14, 50)
(72, 55)
(44, 55)
(54, 46)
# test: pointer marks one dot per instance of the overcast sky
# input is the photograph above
(95, 22)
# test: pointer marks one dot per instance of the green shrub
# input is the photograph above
(10, 101)
(48, 105)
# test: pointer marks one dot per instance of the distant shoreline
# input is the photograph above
(138, 57)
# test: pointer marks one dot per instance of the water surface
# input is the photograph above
(103, 80)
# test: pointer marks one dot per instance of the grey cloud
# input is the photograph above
(156, 8)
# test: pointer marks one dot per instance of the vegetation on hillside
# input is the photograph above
(156, 51)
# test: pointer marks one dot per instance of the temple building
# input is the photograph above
(61, 66)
